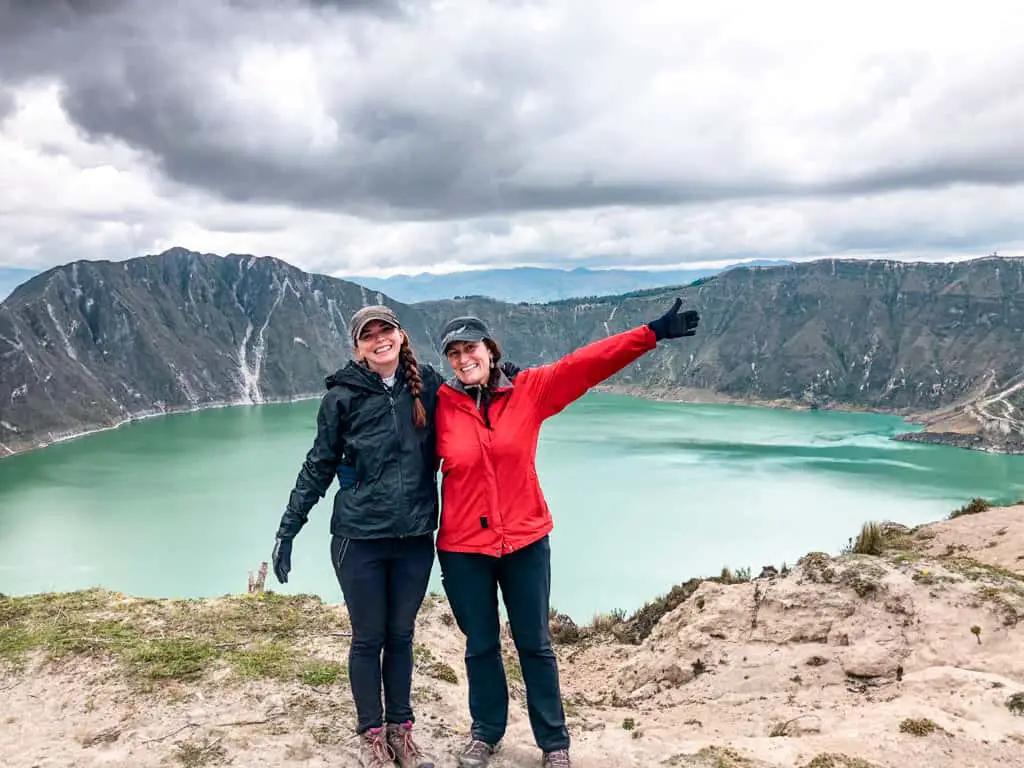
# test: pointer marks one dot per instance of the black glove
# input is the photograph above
(510, 369)
(282, 558)
(672, 324)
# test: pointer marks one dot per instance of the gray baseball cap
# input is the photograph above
(367, 315)
(466, 328)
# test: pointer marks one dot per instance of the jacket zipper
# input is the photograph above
(485, 453)
(401, 476)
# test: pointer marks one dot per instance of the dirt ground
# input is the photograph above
(910, 657)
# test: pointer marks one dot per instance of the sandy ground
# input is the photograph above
(846, 662)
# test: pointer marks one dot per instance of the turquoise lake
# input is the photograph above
(645, 494)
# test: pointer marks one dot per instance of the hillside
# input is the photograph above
(908, 657)
(94, 344)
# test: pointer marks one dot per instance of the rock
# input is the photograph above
(867, 661)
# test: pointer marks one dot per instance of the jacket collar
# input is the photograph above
(359, 376)
(499, 383)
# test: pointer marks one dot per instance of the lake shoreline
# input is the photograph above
(976, 441)
(145, 415)
(967, 440)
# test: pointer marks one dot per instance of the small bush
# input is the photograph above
(425, 662)
(918, 727)
(870, 541)
(1016, 704)
(605, 622)
(973, 507)
(636, 629)
(837, 760)
(443, 672)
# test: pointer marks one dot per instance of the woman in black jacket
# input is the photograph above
(375, 432)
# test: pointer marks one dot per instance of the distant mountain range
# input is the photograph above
(94, 344)
(536, 284)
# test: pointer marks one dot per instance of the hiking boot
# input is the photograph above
(476, 754)
(374, 750)
(557, 759)
(407, 751)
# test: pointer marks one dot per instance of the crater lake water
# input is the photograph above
(645, 494)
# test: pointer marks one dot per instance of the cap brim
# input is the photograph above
(358, 330)
(469, 336)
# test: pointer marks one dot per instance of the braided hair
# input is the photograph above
(411, 371)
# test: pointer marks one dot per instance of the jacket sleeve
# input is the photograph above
(556, 385)
(319, 468)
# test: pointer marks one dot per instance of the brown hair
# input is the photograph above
(411, 370)
(495, 350)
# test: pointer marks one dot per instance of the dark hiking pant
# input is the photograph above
(471, 582)
(383, 582)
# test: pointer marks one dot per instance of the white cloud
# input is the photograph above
(588, 132)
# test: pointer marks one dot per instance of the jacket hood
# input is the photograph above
(357, 376)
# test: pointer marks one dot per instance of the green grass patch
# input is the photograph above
(270, 659)
(174, 658)
(171, 639)
(317, 672)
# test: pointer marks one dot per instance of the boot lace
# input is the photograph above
(379, 747)
(409, 747)
(558, 759)
(476, 748)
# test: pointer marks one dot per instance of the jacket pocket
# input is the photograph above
(342, 551)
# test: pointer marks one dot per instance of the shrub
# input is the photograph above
(870, 541)
(973, 507)
(1016, 704)
(918, 727)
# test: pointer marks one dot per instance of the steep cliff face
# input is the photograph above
(94, 343)
(939, 340)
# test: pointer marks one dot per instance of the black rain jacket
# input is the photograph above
(366, 433)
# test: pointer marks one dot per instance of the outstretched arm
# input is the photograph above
(319, 468)
(556, 385)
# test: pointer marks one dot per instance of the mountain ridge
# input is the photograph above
(537, 285)
(92, 344)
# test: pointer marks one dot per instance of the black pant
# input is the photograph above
(471, 582)
(383, 581)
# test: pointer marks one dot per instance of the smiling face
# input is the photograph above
(470, 361)
(379, 345)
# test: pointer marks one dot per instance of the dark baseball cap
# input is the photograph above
(467, 328)
(367, 315)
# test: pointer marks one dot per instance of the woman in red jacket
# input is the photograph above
(495, 521)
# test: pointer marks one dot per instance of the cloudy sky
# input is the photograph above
(361, 137)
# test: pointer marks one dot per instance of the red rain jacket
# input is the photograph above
(491, 501)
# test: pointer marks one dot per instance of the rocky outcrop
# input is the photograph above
(92, 344)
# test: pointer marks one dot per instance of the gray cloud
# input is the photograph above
(8, 103)
(404, 117)
(386, 135)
